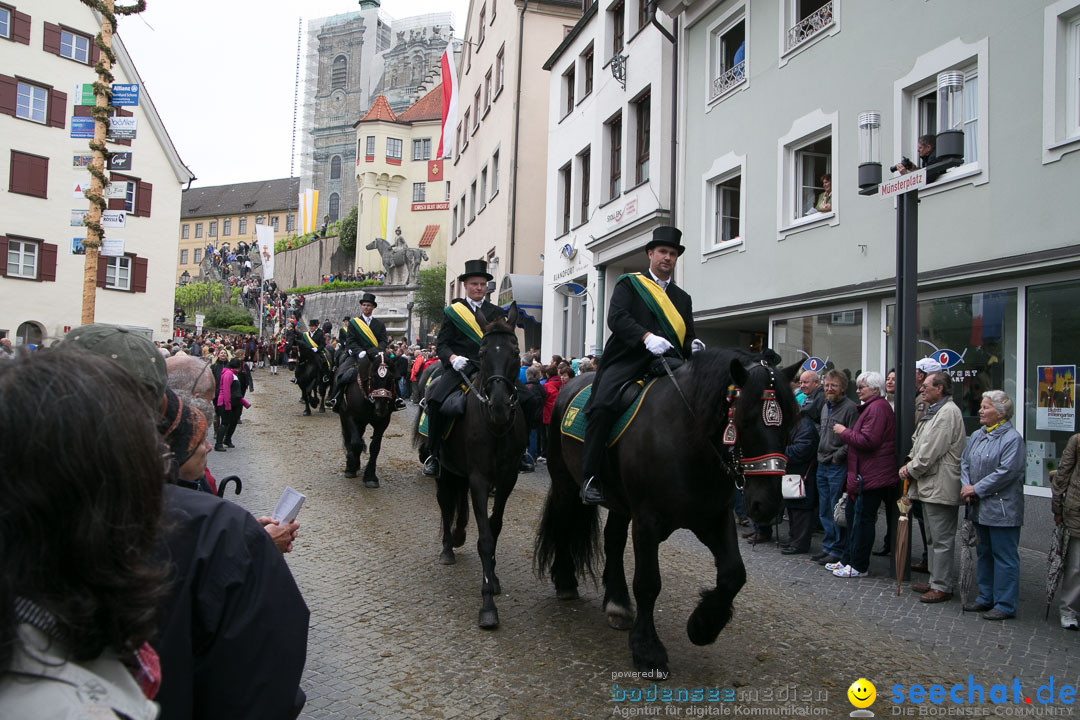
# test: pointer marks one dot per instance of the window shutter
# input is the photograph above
(115, 203)
(29, 174)
(46, 262)
(101, 261)
(95, 51)
(82, 110)
(9, 92)
(21, 29)
(3, 256)
(138, 274)
(143, 193)
(57, 109)
(51, 43)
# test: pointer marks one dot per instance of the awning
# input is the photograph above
(528, 291)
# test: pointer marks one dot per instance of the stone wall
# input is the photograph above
(306, 265)
(334, 305)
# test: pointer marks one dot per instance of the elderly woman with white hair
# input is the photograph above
(871, 472)
(992, 479)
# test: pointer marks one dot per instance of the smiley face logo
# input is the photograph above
(862, 693)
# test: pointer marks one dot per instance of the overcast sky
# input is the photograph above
(221, 74)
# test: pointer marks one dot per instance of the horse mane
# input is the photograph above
(710, 376)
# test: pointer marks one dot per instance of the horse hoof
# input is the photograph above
(322, 409)
(616, 621)
(350, 474)
(457, 537)
(489, 619)
(307, 412)
(447, 557)
(371, 482)
(567, 594)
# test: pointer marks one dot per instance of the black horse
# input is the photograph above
(367, 401)
(677, 466)
(482, 453)
(313, 372)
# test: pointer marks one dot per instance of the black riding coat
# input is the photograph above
(625, 357)
(378, 329)
(452, 341)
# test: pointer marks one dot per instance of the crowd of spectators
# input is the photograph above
(358, 276)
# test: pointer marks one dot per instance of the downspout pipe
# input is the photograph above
(601, 287)
(517, 133)
(672, 195)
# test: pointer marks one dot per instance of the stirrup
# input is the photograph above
(591, 492)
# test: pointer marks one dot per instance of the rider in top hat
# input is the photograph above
(363, 335)
(645, 314)
(316, 335)
(458, 347)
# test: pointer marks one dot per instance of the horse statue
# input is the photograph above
(367, 401)
(402, 264)
(677, 465)
(481, 454)
(313, 373)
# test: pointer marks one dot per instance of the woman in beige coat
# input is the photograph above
(1065, 483)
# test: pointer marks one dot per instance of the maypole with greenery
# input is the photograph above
(100, 112)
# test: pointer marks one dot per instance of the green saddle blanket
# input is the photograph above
(449, 426)
(573, 422)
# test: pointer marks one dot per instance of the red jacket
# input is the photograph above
(871, 445)
(551, 390)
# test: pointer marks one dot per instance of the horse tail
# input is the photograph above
(567, 543)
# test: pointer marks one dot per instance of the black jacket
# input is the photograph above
(452, 341)
(378, 329)
(625, 356)
(232, 598)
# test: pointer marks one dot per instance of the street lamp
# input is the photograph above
(949, 154)
(408, 325)
(185, 278)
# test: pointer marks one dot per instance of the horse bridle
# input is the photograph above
(772, 416)
(381, 393)
(483, 395)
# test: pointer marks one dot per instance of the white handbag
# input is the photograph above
(793, 487)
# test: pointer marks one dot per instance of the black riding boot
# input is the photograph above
(597, 429)
(334, 401)
(434, 418)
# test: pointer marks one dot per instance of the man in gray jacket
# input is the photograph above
(832, 461)
(933, 478)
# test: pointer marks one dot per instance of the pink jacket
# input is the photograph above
(224, 398)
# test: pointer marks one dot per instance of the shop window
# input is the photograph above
(1053, 346)
(977, 333)
(840, 343)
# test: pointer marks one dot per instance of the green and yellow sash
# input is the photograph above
(314, 345)
(366, 335)
(462, 315)
(660, 305)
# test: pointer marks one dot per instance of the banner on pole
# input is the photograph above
(264, 238)
(309, 207)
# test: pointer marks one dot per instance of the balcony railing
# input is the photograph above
(810, 26)
(728, 79)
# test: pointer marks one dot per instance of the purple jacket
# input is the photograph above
(872, 447)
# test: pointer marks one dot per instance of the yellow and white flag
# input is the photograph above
(309, 208)
(387, 215)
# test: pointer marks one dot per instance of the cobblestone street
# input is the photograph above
(394, 634)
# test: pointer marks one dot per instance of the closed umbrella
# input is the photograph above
(903, 537)
(968, 540)
(1055, 562)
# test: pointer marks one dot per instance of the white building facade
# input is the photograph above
(770, 94)
(609, 170)
(46, 49)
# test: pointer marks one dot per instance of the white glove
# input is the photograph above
(361, 354)
(459, 362)
(696, 346)
(657, 345)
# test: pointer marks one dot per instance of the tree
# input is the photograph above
(347, 232)
(431, 294)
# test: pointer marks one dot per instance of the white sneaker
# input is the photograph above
(833, 566)
(849, 572)
(1070, 623)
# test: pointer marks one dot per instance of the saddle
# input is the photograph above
(631, 395)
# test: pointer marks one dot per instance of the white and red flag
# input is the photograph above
(449, 103)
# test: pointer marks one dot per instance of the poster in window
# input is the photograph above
(1056, 404)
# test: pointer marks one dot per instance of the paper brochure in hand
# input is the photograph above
(288, 506)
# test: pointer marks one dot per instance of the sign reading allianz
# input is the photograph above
(419, 207)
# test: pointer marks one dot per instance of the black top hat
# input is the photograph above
(368, 297)
(666, 235)
(475, 268)
(313, 323)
